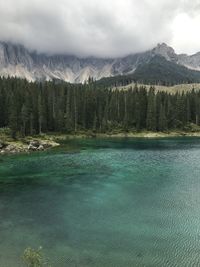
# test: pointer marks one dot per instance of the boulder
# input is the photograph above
(40, 148)
(46, 145)
(11, 149)
(32, 148)
(34, 143)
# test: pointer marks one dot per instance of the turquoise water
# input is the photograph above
(108, 202)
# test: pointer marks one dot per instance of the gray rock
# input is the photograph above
(34, 143)
(11, 149)
(38, 145)
(17, 60)
(40, 148)
(46, 145)
(32, 148)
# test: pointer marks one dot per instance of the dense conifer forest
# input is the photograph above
(33, 108)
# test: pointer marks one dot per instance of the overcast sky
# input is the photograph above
(101, 27)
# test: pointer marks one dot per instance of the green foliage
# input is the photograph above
(36, 108)
(151, 111)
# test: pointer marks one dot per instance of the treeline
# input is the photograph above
(32, 108)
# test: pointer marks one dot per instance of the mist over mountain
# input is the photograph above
(18, 61)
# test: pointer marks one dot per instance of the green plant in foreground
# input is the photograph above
(34, 258)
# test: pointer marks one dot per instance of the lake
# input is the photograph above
(104, 202)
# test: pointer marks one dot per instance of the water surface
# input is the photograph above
(107, 202)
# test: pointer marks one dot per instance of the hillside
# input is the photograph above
(160, 64)
(157, 71)
(160, 71)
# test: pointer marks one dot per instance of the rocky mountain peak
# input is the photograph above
(166, 51)
(17, 61)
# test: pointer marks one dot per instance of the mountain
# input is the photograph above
(160, 70)
(157, 71)
(16, 60)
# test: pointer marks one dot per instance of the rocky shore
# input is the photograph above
(13, 147)
(42, 143)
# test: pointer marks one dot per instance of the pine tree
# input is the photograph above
(162, 122)
(25, 118)
(151, 111)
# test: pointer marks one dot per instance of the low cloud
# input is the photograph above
(106, 28)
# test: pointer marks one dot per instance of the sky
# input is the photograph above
(102, 28)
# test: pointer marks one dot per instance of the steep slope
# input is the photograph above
(191, 62)
(16, 60)
(157, 70)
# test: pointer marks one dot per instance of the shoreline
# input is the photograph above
(48, 141)
(28, 144)
(144, 134)
(150, 135)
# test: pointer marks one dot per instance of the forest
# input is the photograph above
(35, 108)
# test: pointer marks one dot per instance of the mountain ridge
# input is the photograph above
(18, 61)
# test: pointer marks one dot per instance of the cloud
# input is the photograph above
(105, 28)
(185, 33)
